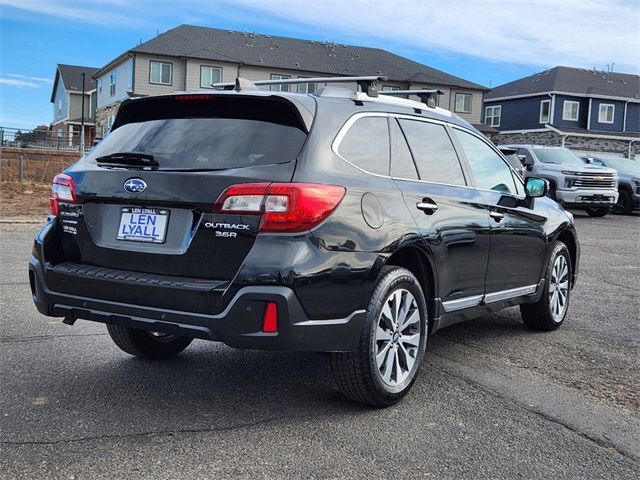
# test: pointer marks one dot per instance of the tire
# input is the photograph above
(625, 203)
(383, 382)
(144, 344)
(598, 211)
(546, 314)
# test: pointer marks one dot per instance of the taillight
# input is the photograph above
(63, 188)
(285, 207)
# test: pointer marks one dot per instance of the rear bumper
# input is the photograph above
(587, 197)
(238, 325)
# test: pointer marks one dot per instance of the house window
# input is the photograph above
(606, 113)
(99, 85)
(59, 106)
(209, 76)
(280, 88)
(570, 110)
(492, 116)
(545, 110)
(112, 83)
(110, 120)
(306, 87)
(160, 73)
(463, 102)
(390, 88)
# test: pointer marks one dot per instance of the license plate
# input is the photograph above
(143, 224)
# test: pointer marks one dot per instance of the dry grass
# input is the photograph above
(27, 199)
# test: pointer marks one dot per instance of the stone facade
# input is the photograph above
(102, 119)
(587, 144)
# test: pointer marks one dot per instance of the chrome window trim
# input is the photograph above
(354, 118)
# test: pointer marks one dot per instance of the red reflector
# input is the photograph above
(270, 319)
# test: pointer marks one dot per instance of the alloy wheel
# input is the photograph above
(398, 335)
(559, 288)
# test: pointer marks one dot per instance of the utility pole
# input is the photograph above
(82, 117)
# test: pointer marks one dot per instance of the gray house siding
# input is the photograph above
(124, 84)
(60, 103)
(618, 116)
(518, 114)
(633, 117)
(582, 112)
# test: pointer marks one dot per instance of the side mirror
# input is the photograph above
(536, 187)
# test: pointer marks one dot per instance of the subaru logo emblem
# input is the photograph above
(135, 185)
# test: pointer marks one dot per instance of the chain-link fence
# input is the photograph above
(33, 165)
(42, 139)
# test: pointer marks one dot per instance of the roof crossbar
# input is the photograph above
(368, 84)
(426, 96)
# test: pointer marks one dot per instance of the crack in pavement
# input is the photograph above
(47, 337)
(555, 420)
(145, 434)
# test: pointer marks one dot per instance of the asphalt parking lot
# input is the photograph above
(493, 400)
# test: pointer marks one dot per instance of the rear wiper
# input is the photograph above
(129, 158)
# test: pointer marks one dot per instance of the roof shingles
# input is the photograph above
(290, 53)
(578, 81)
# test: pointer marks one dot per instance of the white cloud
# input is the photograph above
(26, 77)
(18, 83)
(100, 12)
(543, 33)
(540, 33)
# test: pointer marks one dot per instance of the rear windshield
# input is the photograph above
(206, 139)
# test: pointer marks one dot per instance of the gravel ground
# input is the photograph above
(493, 400)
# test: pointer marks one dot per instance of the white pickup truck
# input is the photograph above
(572, 183)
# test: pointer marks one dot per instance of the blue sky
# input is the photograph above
(489, 42)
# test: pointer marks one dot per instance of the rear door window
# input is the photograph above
(188, 135)
(433, 152)
(402, 165)
(366, 145)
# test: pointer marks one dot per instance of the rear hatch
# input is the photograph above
(145, 194)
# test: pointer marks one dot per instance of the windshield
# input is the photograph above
(623, 165)
(205, 143)
(557, 155)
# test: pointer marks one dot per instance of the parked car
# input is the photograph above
(572, 183)
(511, 154)
(628, 181)
(335, 222)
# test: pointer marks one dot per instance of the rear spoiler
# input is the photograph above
(151, 108)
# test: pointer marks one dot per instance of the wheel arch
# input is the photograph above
(418, 262)
(569, 239)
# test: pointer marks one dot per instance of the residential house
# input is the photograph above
(66, 97)
(585, 110)
(191, 58)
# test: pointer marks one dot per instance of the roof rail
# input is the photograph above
(426, 96)
(368, 84)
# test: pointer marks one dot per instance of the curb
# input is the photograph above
(22, 220)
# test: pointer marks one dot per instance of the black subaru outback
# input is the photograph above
(340, 221)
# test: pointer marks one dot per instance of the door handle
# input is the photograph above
(497, 216)
(428, 206)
